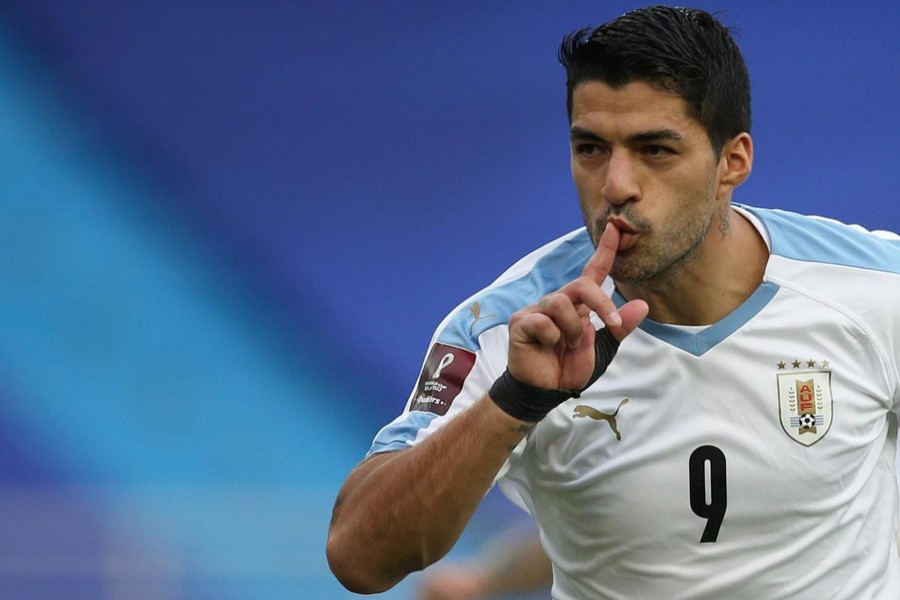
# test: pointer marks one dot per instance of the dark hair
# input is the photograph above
(682, 50)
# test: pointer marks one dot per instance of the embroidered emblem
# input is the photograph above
(475, 309)
(805, 402)
(583, 410)
(442, 378)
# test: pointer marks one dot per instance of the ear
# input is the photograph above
(735, 162)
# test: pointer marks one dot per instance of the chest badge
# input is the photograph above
(805, 403)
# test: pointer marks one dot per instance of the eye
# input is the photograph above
(587, 149)
(656, 151)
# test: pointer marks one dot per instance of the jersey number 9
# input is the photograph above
(709, 496)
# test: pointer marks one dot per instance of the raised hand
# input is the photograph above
(551, 343)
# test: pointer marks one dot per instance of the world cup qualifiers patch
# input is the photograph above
(442, 378)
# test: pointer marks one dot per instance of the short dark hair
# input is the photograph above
(686, 51)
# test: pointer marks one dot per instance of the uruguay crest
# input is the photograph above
(805, 404)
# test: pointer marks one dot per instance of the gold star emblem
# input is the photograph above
(781, 365)
(796, 364)
(810, 363)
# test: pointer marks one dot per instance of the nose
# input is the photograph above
(621, 183)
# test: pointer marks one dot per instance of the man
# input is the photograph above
(741, 442)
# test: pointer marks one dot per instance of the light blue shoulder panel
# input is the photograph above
(820, 240)
(495, 306)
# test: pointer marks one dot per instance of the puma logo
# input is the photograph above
(586, 411)
(477, 316)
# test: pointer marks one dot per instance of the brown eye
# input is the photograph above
(657, 151)
(586, 149)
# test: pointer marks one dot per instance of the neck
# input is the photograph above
(722, 272)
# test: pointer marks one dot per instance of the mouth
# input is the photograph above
(627, 234)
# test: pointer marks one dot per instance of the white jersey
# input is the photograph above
(753, 458)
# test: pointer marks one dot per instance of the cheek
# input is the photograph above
(588, 186)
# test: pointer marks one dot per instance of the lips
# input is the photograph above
(627, 234)
(626, 241)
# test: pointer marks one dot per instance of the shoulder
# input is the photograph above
(844, 273)
(542, 271)
(813, 239)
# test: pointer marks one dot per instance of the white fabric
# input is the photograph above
(806, 515)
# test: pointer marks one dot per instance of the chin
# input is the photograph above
(628, 276)
(631, 271)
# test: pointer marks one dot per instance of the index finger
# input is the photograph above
(598, 266)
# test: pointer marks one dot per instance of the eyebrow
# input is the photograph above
(643, 137)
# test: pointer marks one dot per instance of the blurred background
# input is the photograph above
(229, 229)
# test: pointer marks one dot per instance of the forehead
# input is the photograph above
(629, 109)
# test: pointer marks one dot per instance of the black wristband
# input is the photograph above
(605, 348)
(525, 401)
(529, 403)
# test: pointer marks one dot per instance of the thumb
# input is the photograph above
(632, 313)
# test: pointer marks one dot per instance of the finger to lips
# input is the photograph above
(597, 269)
(598, 266)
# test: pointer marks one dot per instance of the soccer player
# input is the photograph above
(693, 398)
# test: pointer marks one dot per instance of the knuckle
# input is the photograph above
(516, 318)
(549, 302)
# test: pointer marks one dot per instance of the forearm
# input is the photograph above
(400, 512)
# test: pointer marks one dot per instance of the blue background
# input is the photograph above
(228, 230)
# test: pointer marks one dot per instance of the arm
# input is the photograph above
(400, 512)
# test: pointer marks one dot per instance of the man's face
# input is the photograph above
(639, 160)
